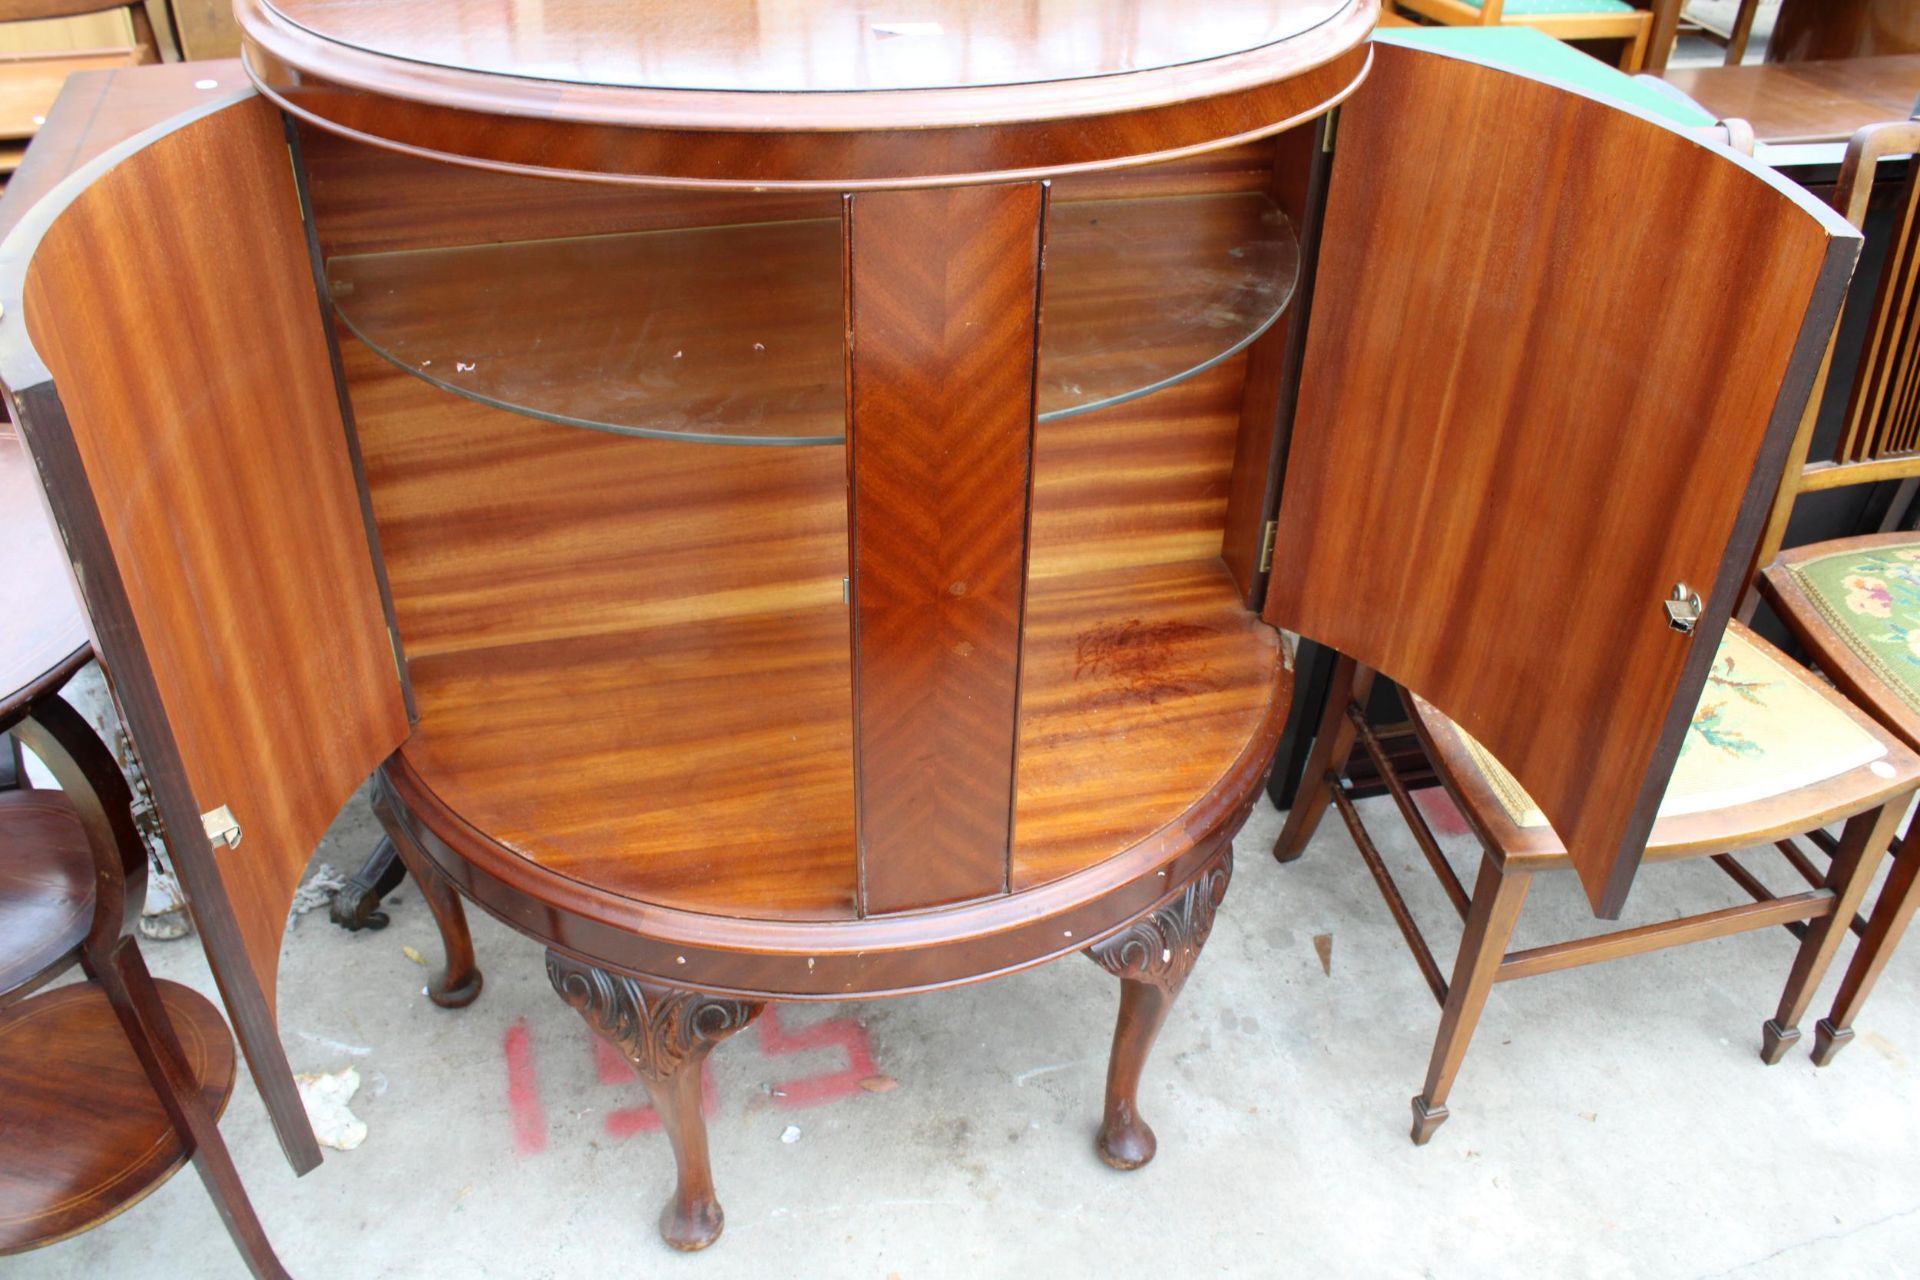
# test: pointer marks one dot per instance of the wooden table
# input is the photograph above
(1806, 102)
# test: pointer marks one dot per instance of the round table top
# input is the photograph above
(763, 95)
(43, 637)
(805, 46)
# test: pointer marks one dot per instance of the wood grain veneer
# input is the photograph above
(228, 577)
(943, 294)
(1535, 457)
(86, 1135)
(817, 140)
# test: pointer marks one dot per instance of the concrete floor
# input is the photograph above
(1610, 1121)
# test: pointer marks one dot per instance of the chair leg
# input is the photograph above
(1891, 915)
(1497, 898)
(123, 975)
(666, 1033)
(1152, 958)
(1332, 742)
(458, 984)
(1634, 54)
(1863, 842)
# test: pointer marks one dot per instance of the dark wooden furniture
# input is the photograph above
(1853, 601)
(111, 1084)
(1804, 102)
(1815, 760)
(1550, 616)
(794, 527)
(115, 1083)
(1822, 30)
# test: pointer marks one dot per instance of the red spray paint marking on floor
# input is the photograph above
(523, 1092)
(1437, 807)
(843, 1033)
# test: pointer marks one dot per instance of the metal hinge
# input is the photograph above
(222, 827)
(1683, 609)
(399, 664)
(1329, 125)
(1266, 545)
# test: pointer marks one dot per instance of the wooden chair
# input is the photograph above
(1544, 626)
(1669, 18)
(1771, 752)
(1854, 603)
(112, 1084)
(1562, 19)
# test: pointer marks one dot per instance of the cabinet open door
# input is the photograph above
(163, 345)
(1556, 354)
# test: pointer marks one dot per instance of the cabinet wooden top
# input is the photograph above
(788, 94)
(798, 46)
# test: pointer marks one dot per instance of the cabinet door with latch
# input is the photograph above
(1556, 354)
(163, 347)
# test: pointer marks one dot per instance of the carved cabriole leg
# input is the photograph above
(1152, 958)
(666, 1033)
(458, 984)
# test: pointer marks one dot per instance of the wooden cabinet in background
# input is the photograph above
(790, 506)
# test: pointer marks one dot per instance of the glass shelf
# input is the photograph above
(733, 334)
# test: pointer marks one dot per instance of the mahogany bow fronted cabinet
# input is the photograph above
(783, 500)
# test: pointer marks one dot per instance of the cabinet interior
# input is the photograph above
(610, 590)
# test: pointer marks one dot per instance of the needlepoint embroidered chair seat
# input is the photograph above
(1764, 728)
(1856, 604)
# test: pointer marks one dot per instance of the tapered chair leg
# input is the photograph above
(666, 1033)
(1863, 843)
(1497, 898)
(1332, 742)
(136, 1002)
(1152, 958)
(458, 984)
(1891, 915)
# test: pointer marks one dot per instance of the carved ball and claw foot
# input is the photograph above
(1152, 958)
(1426, 1120)
(666, 1033)
(1828, 1041)
(1775, 1040)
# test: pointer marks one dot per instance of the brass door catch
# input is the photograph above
(1683, 609)
(222, 827)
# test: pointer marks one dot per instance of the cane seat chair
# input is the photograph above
(1561, 19)
(1854, 603)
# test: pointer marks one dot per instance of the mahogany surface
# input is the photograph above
(799, 47)
(228, 574)
(85, 1134)
(1809, 30)
(834, 140)
(46, 888)
(1807, 101)
(1487, 394)
(943, 321)
(43, 633)
(1157, 674)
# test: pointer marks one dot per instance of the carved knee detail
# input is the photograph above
(1162, 945)
(657, 1028)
